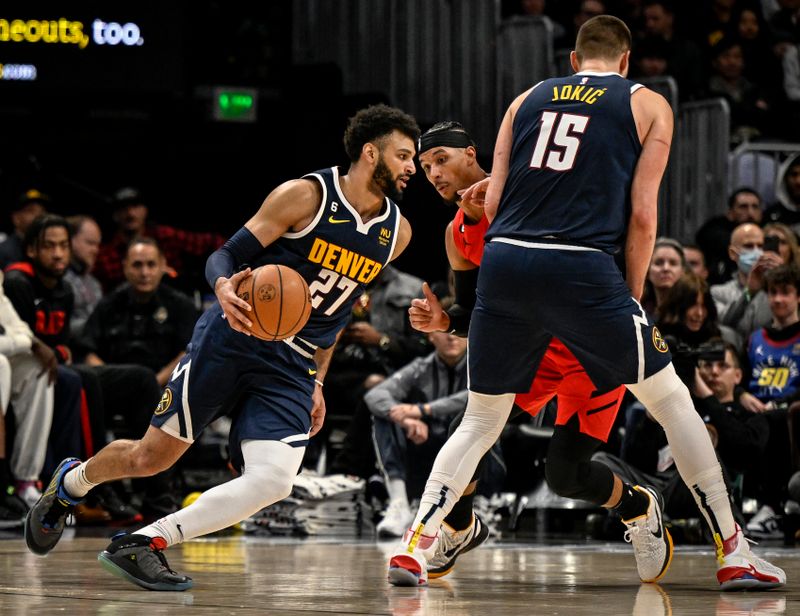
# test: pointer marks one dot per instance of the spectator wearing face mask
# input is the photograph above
(750, 311)
(744, 250)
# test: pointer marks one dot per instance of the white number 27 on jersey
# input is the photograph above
(559, 153)
(321, 288)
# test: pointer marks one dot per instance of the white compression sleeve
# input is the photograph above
(454, 466)
(269, 471)
(667, 399)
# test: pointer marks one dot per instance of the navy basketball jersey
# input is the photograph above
(337, 254)
(574, 151)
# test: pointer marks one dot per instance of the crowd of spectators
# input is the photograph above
(745, 51)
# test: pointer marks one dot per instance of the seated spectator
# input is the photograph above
(667, 264)
(683, 58)
(651, 58)
(773, 352)
(378, 341)
(695, 260)
(30, 205)
(412, 411)
(39, 296)
(740, 436)
(787, 189)
(744, 250)
(27, 374)
(179, 246)
(761, 64)
(774, 377)
(714, 237)
(142, 322)
(689, 317)
(750, 107)
(751, 310)
(86, 289)
(43, 300)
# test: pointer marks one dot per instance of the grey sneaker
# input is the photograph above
(140, 560)
(652, 543)
(46, 519)
(453, 543)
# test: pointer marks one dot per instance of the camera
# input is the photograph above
(685, 356)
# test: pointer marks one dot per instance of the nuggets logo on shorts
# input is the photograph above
(165, 402)
(266, 292)
(659, 342)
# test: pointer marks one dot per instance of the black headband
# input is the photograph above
(444, 138)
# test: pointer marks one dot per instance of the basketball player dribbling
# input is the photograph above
(577, 166)
(338, 231)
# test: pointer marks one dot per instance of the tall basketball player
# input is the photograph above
(577, 166)
(338, 230)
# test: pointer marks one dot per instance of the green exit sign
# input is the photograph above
(235, 104)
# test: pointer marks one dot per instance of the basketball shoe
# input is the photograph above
(453, 543)
(740, 569)
(45, 521)
(408, 565)
(396, 520)
(140, 560)
(652, 543)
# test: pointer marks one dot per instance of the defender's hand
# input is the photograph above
(427, 315)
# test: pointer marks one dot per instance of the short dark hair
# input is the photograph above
(741, 191)
(729, 346)
(446, 125)
(374, 123)
(42, 223)
(605, 37)
(147, 241)
(783, 275)
(76, 223)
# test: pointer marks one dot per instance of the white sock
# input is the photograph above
(456, 462)
(666, 398)
(75, 482)
(167, 528)
(397, 491)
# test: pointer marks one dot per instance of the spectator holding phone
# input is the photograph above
(750, 311)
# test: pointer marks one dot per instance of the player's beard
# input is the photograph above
(382, 176)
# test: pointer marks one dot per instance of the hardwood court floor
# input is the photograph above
(235, 575)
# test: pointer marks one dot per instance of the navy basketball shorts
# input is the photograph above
(526, 296)
(266, 387)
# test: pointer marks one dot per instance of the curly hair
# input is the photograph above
(375, 123)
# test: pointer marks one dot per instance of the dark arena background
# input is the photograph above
(132, 94)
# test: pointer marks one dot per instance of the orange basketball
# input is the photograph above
(280, 300)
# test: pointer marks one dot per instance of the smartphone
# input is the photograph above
(772, 243)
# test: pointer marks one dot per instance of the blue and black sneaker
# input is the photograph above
(140, 559)
(46, 519)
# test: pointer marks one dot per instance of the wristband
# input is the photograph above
(318, 382)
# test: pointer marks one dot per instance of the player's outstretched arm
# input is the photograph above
(654, 122)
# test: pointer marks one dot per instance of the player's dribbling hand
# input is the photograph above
(317, 410)
(234, 309)
(427, 315)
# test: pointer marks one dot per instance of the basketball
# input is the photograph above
(280, 300)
